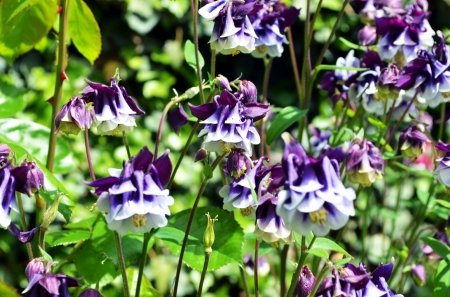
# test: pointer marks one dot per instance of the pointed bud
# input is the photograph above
(419, 274)
(248, 90)
(238, 163)
(36, 266)
(208, 237)
(222, 82)
(367, 35)
(364, 163)
(177, 118)
(50, 213)
(305, 283)
(201, 155)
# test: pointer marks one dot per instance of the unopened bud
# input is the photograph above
(305, 284)
(419, 274)
(36, 266)
(248, 89)
(201, 155)
(208, 238)
(50, 213)
(222, 82)
(192, 92)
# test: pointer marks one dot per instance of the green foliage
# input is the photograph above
(438, 247)
(66, 237)
(23, 24)
(287, 116)
(65, 205)
(6, 290)
(146, 287)
(442, 280)
(11, 99)
(84, 30)
(227, 247)
(189, 55)
(327, 244)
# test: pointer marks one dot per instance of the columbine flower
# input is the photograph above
(29, 178)
(23, 237)
(178, 118)
(114, 110)
(73, 117)
(135, 199)
(386, 83)
(233, 32)
(442, 172)
(269, 23)
(429, 72)
(36, 266)
(263, 266)
(403, 36)
(319, 139)
(411, 143)
(364, 163)
(419, 274)
(49, 285)
(305, 284)
(229, 121)
(238, 163)
(314, 198)
(91, 293)
(369, 9)
(367, 35)
(8, 201)
(270, 226)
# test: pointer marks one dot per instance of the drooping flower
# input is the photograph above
(305, 283)
(319, 139)
(442, 172)
(269, 23)
(419, 274)
(270, 226)
(177, 118)
(73, 117)
(134, 198)
(412, 141)
(50, 285)
(222, 82)
(229, 120)
(23, 237)
(367, 35)
(364, 163)
(430, 73)
(233, 32)
(263, 266)
(7, 198)
(314, 198)
(386, 83)
(29, 178)
(113, 109)
(238, 163)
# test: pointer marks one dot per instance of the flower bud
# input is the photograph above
(36, 266)
(201, 155)
(364, 163)
(73, 117)
(305, 283)
(29, 178)
(238, 163)
(248, 90)
(50, 213)
(191, 92)
(177, 118)
(208, 237)
(419, 274)
(412, 141)
(222, 82)
(5, 150)
(367, 35)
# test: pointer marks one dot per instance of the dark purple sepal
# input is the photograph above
(91, 293)
(142, 160)
(367, 35)
(103, 184)
(290, 15)
(226, 98)
(384, 271)
(178, 118)
(204, 111)
(255, 111)
(443, 147)
(305, 283)
(29, 178)
(23, 237)
(164, 167)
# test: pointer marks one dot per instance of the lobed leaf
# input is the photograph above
(66, 237)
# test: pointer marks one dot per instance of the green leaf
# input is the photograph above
(189, 55)
(327, 244)
(227, 247)
(6, 290)
(351, 45)
(84, 30)
(65, 205)
(146, 287)
(207, 171)
(335, 67)
(442, 280)
(387, 213)
(421, 172)
(92, 265)
(318, 252)
(376, 122)
(342, 261)
(66, 237)
(438, 247)
(85, 224)
(252, 189)
(23, 24)
(45, 254)
(288, 116)
(35, 137)
(11, 100)
(444, 203)
(103, 241)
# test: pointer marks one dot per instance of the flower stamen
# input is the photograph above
(319, 217)
(138, 220)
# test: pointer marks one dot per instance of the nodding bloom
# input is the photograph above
(238, 163)
(356, 281)
(7, 198)
(319, 139)
(29, 178)
(364, 163)
(73, 117)
(134, 198)
(229, 120)
(402, 36)
(429, 252)
(314, 198)
(367, 35)
(419, 274)
(305, 283)
(412, 141)
(263, 266)
(386, 83)
(442, 172)
(430, 73)
(113, 109)
(233, 32)
(270, 226)
(269, 23)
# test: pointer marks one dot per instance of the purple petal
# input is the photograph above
(177, 118)
(203, 111)
(22, 236)
(255, 111)
(164, 167)
(91, 293)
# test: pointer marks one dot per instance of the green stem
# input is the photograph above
(364, 228)
(123, 268)
(24, 223)
(127, 145)
(60, 67)
(202, 278)
(300, 263)
(313, 22)
(88, 154)
(255, 275)
(40, 208)
(294, 65)
(442, 123)
(194, 11)
(397, 206)
(262, 131)
(283, 257)
(213, 64)
(244, 282)
(42, 231)
(147, 237)
(319, 280)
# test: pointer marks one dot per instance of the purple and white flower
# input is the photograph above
(412, 141)
(7, 198)
(134, 198)
(305, 283)
(442, 171)
(73, 117)
(29, 178)
(49, 285)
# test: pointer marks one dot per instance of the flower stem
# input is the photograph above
(88, 153)
(300, 263)
(40, 208)
(313, 22)
(364, 228)
(202, 278)
(42, 238)
(194, 11)
(213, 63)
(255, 265)
(127, 145)
(123, 271)
(60, 67)
(189, 224)
(283, 257)
(24, 223)
(294, 65)
(244, 281)
(262, 131)
(442, 123)
(147, 237)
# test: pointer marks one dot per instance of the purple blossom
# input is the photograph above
(314, 198)
(114, 110)
(49, 285)
(386, 83)
(305, 283)
(134, 198)
(367, 35)
(364, 163)
(412, 141)
(7, 198)
(5, 151)
(419, 274)
(369, 9)
(73, 117)
(23, 237)
(91, 293)
(178, 118)
(238, 163)
(319, 139)
(35, 266)
(29, 178)
(442, 171)
(223, 83)
(334, 80)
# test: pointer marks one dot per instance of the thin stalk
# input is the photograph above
(88, 153)
(183, 153)
(343, 120)
(60, 67)
(127, 145)
(364, 228)
(306, 65)
(262, 131)
(255, 275)
(300, 263)
(384, 121)
(213, 63)
(40, 208)
(319, 280)
(442, 123)
(147, 237)
(189, 224)
(294, 65)
(24, 223)
(202, 278)
(283, 257)
(244, 282)
(397, 206)
(194, 11)
(313, 22)
(123, 270)
(42, 237)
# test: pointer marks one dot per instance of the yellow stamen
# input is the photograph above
(235, 52)
(262, 49)
(319, 217)
(139, 220)
(246, 211)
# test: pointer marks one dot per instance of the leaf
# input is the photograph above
(66, 237)
(85, 224)
(84, 30)
(444, 203)
(6, 290)
(92, 265)
(103, 241)
(421, 172)
(189, 55)
(342, 261)
(327, 244)
(146, 287)
(65, 205)
(387, 213)
(335, 67)
(24, 23)
(442, 280)
(288, 116)
(207, 171)
(35, 137)
(438, 247)
(45, 254)
(252, 189)
(318, 252)
(227, 247)
(11, 100)
(376, 122)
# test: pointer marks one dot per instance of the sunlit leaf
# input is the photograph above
(189, 55)
(288, 116)
(438, 247)
(66, 237)
(328, 244)
(146, 287)
(11, 100)
(6, 290)
(442, 280)
(318, 252)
